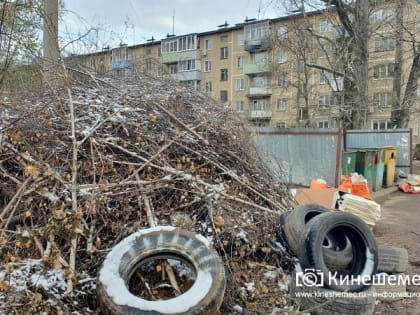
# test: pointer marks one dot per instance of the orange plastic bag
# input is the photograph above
(361, 189)
(317, 184)
(345, 184)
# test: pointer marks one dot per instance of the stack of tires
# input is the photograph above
(335, 250)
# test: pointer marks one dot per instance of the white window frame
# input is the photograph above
(383, 99)
(224, 95)
(324, 26)
(282, 57)
(281, 104)
(324, 77)
(208, 44)
(379, 122)
(325, 100)
(282, 32)
(241, 39)
(208, 66)
(209, 87)
(323, 124)
(240, 84)
(282, 79)
(240, 106)
(224, 52)
(240, 62)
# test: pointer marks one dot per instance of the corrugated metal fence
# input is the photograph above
(305, 154)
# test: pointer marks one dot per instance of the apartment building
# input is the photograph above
(283, 72)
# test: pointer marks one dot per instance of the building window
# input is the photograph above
(240, 62)
(324, 77)
(224, 38)
(381, 124)
(207, 66)
(209, 87)
(324, 51)
(259, 81)
(159, 52)
(281, 124)
(240, 84)
(208, 44)
(148, 64)
(323, 124)
(148, 52)
(384, 43)
(301, 66)
(282, 58)
(281, 104)
(383, 99)
(383, 71)
(260, 104)
(282, 80)
(224, 96)
(282, 32)
(240, 106)
(382, 15)
(325, 100)
(261, 57)
(173, 68)
(186, 65)
(241, 39)
(223, 74)
(324, 26)
(223, 53)
(301, 89)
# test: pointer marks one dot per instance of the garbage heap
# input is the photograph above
(136, 151)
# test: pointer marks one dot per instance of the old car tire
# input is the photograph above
(323, 301)
(365, 251)
(204, 297)
(392, 259)
(291, 227)
(297, 219)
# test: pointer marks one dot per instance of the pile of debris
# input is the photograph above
(84, 166)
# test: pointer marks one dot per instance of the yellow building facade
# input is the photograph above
(283, 72)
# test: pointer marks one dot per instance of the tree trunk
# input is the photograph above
(410, 95)
(51, 52)
(361, 63)
(396, 93)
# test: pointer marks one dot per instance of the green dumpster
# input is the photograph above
(390, 162)
(370, 164)
(349, 162)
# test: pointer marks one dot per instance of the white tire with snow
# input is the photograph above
(164, 242)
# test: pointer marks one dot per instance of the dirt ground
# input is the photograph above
(399, 226)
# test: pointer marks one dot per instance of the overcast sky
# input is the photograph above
(135, 21)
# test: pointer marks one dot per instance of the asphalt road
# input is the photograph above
(400, 226)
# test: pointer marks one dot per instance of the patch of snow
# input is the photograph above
(283, 286)
(270, 274)
(116, 288)
(32, 271)
(250, 286)
(242, 235)
(238, 308)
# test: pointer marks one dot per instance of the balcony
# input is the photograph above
(255, 68)
(263, 91)
(193, 75)
(175, 56)
(259, 44)
(260, 114)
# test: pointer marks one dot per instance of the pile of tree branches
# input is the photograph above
(84, 166)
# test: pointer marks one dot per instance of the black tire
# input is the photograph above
(204, 297)
(295, 227)
(279, 230)
(291, 227)
(392, 259)
(365, 251)
(323, 301)
(387, 292)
